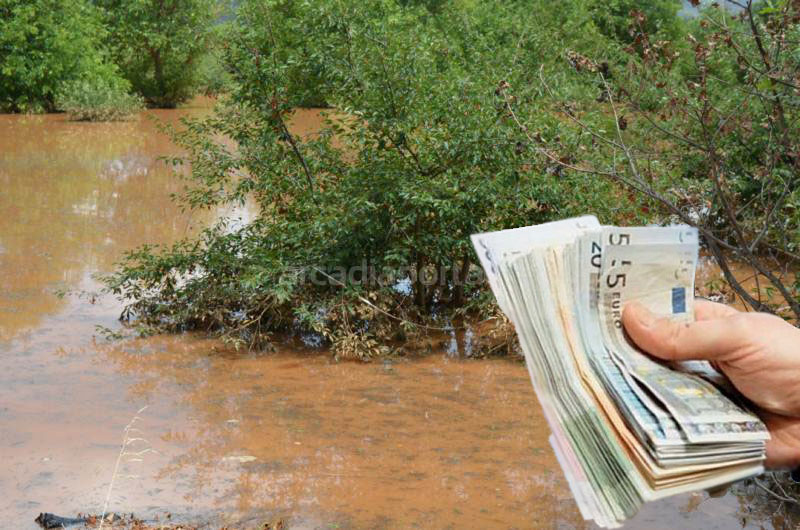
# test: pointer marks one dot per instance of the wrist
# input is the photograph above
(783, 448)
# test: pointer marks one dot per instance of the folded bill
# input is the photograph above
(626, 427)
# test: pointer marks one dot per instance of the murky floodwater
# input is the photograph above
(235, 438)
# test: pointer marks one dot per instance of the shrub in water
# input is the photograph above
(98, 100)
(421, 151)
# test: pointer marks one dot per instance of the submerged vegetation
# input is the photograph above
(453, 117)
(98, 100)
(419, 151)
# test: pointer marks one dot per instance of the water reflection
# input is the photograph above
(426, 443)
(75, 196)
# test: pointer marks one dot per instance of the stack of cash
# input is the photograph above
(626, 428)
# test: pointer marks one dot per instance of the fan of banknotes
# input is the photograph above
(626, 428)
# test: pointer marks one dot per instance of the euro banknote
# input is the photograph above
(626, 428)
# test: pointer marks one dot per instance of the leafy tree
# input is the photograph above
(45, 43)
(158, 44)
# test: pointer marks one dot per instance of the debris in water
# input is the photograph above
(49, 520)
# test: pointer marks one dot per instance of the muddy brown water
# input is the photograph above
(227, 437)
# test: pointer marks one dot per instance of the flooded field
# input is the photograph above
(231, 438)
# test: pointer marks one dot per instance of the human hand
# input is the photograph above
(758, 352)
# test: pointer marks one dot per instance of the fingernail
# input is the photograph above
(642, 315)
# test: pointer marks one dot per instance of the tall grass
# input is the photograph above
(127, 452)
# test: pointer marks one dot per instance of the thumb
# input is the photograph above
(678, 341)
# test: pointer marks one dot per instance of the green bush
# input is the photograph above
(44, 44)
(158, 45)
(98, 100)
(422, 149)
